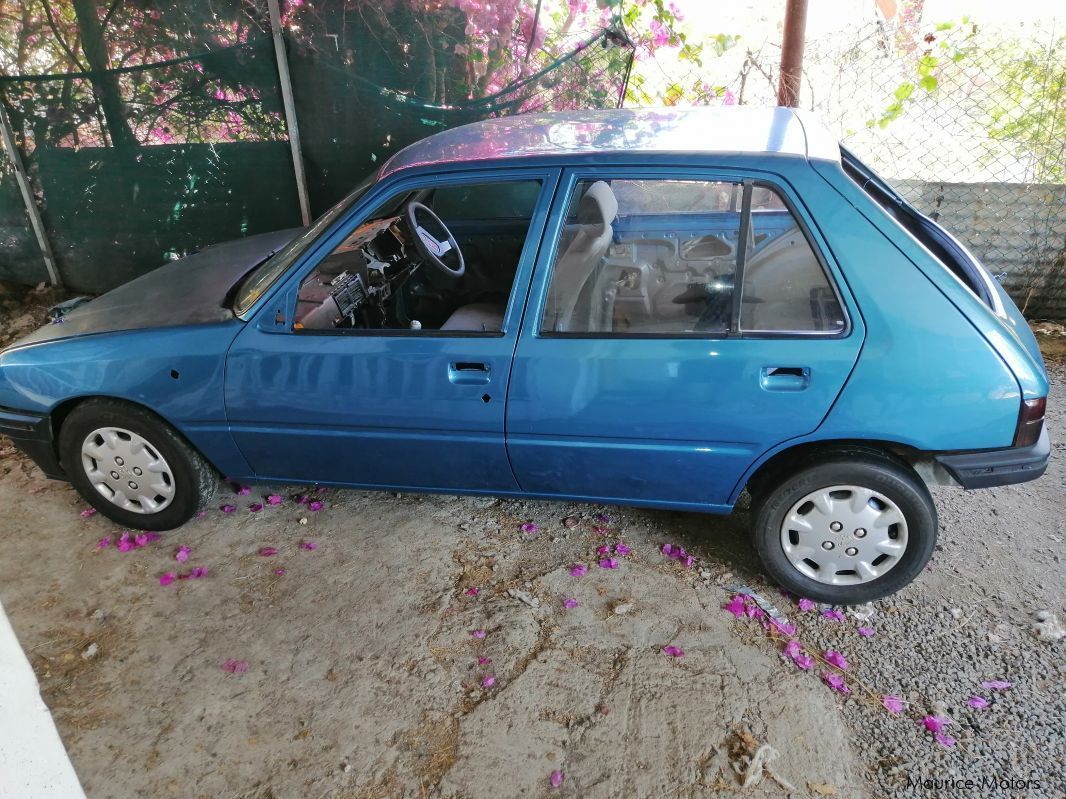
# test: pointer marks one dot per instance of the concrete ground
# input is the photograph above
(355, 669)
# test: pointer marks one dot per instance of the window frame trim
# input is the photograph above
(564, 192)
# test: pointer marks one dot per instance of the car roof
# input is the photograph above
(702, 131)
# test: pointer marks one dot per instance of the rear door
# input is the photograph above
(641, 374)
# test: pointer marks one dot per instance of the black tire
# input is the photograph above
(194, 480)
(895, 481)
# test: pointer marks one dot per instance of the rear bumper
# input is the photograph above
(999, 467)
(32, 434)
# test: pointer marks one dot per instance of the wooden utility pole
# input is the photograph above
(788, 87)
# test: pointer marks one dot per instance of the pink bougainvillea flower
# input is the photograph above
(529, 527)
(603, 549)
(835, 615)
(182, 554)
(944, 740)
(608, 563)
(274, 499)
(578, 570)
(782, 627)
(166, 578)
(302, 499)
(85, 514)
(936, 724)
(472, 591)
(599, 529)
(570, 603)
(310, 546)
(479, 634)
(556, 778)
(255, 507)
(198, 572)
(736, 606)
(978, 702)
(235, 666)
(103, 543)
(753, 611)
(622, 550)
(150, 536)
(279, 572)
(483, 661)
(267, 552)
(488, 681)
(806, 605)
(865, 632)
(996, 685)
(315, 505)
(836, 682)
(141, 540)
(228, 508)
(794, 651)
(124, 544)
(893, 704)
(673, 651)
(835, 658)
(243, 491)
(668, 550)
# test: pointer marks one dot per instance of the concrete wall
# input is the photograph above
(1018, 230)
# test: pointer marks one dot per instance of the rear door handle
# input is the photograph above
(469, 373)
(785, 378)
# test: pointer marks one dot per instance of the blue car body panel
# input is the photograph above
(678, 422)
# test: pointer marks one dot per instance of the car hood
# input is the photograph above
(189, 291)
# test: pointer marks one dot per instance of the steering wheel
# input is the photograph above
(430, 247)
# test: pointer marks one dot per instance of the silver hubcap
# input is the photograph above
(844, 535)
(127, 470)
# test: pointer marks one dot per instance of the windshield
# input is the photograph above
(260, 279)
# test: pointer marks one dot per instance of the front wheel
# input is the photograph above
(846, 530)
(132, 466)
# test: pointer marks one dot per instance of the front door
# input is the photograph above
(392, 367)
(642, 375)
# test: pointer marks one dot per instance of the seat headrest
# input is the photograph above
(598, 207)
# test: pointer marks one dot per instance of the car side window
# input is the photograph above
(660, 258)
(438, 259)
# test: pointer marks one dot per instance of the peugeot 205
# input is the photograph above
(660, 308)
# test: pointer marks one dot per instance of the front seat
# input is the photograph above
(583, 254)
(481, 317)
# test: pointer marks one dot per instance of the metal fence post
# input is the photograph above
(27, 198)
(290, 110)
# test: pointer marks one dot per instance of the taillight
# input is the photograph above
(1030, 422)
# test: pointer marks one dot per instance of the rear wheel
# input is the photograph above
(847, 530)
(133, 467)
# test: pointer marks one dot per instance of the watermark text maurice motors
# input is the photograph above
(986, 784)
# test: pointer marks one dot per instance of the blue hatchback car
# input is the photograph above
(660, 308)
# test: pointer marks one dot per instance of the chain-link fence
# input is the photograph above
(968, 122)
(150, 130)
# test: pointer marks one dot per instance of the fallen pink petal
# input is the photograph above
(279, 572)
(622, 550)
(472, 591)
(274, 499)
(198, 572)
(235, 666)
(865, 632)
(255, 507)
(835, 615)
(936, 724)
(996, 685)
(673, 651)
(315, 505)
(603, 549)
(893, 704)
(578, 570)
(310, 546)
(978, 702)
(166, 578)
(737, 606)
(303, 499)
(835, 681)
(103, 543)
(807, 605)
(608, 563)
(794, 651)
(85, 514)
(599, 530)
(944, 740)
(668, 550)
(570, 604)
(243, 491)
(267, 552)
(488, 681)
(556, 778)
(182, 554)
(228, 508)
(836, 659)
(783, 627)
(529, 527)
(483, 661)
(141, 540)
(479, 634)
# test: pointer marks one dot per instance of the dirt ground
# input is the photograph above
(359, 661)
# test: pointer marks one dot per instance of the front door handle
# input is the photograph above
(468, 373)
(785, 378)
